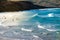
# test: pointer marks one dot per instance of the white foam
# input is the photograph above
(23, 29)
(13, 18)
(51, 29)
(39, 26)
(35, 36)
(51, 15)
(34, 15)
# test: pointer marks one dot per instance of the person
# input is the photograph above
(8, 6)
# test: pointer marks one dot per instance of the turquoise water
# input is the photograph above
(47, 17)
(41, 24)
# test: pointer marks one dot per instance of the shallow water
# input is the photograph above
(39, 24)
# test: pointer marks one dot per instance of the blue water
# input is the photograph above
(44, 18)
(43, 24)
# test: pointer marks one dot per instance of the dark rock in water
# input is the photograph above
(6, 6)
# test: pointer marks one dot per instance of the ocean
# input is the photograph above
(38, 24)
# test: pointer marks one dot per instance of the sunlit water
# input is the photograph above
(39, 24)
